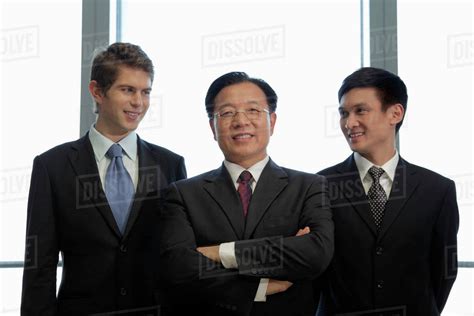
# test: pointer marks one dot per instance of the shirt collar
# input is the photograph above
(256, 170)
(100, 144)
(363, 165)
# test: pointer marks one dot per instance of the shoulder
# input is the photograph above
(330, 170)
(62, 150)
(427, 175)
(297, 175)
(198, 180)
(345, 167)
(160, 151)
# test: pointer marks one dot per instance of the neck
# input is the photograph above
(245, 163)
(379, 158)
(114, 136)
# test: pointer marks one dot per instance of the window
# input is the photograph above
(40, 91)
(303, 50)
(435, 58)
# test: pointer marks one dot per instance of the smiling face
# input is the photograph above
(368, 129)
(243, 141)
(123, 106)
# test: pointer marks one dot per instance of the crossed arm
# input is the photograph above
(199, 272)
(274, 286)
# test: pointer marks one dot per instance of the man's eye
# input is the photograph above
(361, 111)
(343, 114)
(252, 111)
(227, 113)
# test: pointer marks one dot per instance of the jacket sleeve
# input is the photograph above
(444, 262)
(41, 252)
(294, 258)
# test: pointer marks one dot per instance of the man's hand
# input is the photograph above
(277, 286)
(303, 231)
(212, 252)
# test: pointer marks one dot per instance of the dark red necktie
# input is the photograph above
(244, 189)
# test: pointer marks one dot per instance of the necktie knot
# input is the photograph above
(245, 177)
(376, 173)
(115, 151)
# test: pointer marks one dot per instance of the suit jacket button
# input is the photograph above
(123, 248)
(380, 284)
(379, 250)
(123, 291)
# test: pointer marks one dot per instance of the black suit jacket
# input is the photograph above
(206, 210)
(68, 213)
(410, 265)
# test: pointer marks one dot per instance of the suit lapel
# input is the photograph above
(271, 182)
(149, 178)
(404, 184)
(220, 187)
(84, 165)
(357, 198)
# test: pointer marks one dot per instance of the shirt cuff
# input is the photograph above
(261, 296)
(227, 255)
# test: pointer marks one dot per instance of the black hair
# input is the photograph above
(390, 88)
(236, 77)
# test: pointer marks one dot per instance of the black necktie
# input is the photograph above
(244, 189)
(376, 194)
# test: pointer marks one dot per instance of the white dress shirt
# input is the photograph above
(227, 250)
(101, 144)
(386, 180)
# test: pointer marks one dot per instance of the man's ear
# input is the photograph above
(396, 113)
(96, 92)
(273, 118)
(213, 128)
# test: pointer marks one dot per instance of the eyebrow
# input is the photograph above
(341, 107)
(133, 87)
(233, 104)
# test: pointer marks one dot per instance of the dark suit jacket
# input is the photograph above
(410, 265)
(206, 210)
(68, 212)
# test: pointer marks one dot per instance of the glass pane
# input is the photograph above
(302, 49)
(435, 61)
(40, 51)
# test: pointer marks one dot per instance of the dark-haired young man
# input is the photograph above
(395, 223)
(248, 237)
(96, 201)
